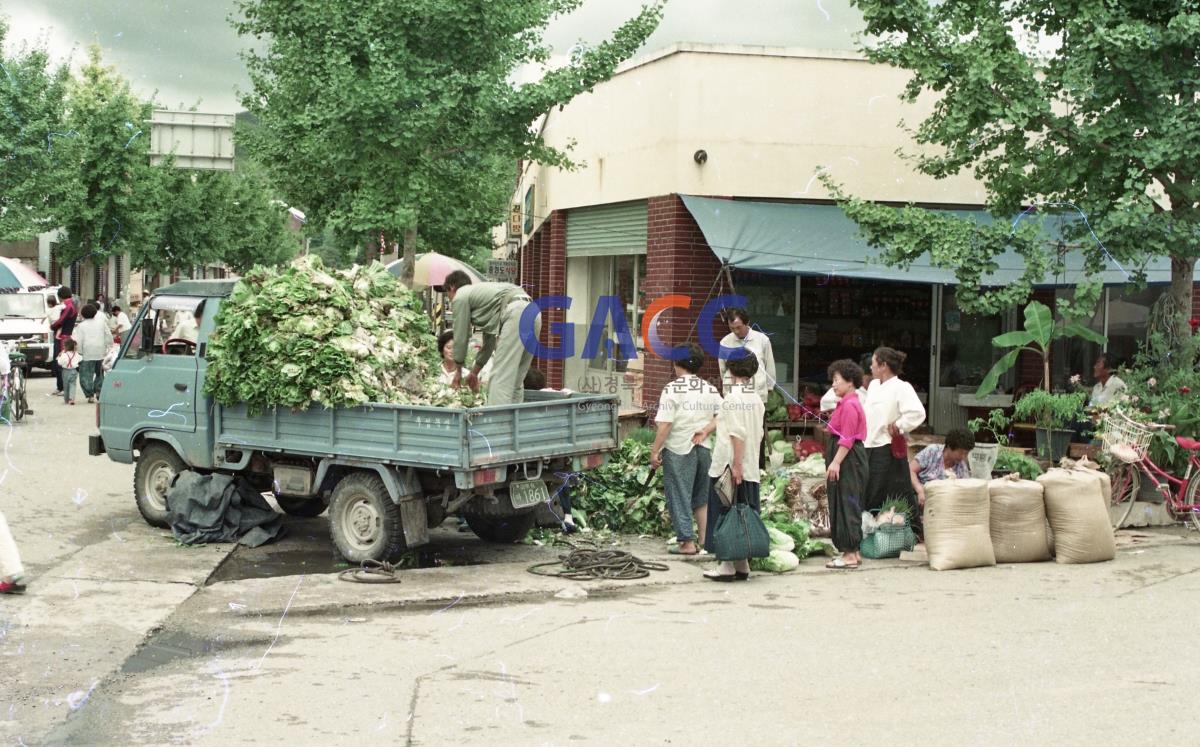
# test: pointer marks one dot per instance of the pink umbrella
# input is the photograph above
(432, 268)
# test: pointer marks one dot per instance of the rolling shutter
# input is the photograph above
(607, 230)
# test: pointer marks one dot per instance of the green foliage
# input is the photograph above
(292, 337)
(615, 496)
(1051, 411)
(114, 198)
(256, 227)
(1008, 460)
(1162, 386)
(35, 165)
(1040, 331)
(996, 424)
(1097, 109)
(805, 545)
(374, 132)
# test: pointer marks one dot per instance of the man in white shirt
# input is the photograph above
(742, 336)
(1108, 385)
(188, 327)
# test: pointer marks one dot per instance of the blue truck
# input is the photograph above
(386, 473)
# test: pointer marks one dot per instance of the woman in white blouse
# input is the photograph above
(893, 408)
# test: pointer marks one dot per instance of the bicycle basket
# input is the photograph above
(1124, 439)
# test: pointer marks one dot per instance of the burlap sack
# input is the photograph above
(1079, 516)
(1018, 521)
(956, 524)
(1091, 469)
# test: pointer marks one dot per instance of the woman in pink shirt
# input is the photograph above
(846, 465)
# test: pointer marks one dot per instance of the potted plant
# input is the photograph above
(1040, 331)
(984, 456)
(1051, 413)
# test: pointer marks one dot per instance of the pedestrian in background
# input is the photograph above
(119, 322)
(63, 327)
(893, 411)
(92, 340)
(53, 312)
(68, 361)
(846, 465)
(739, 429)
(687, 405)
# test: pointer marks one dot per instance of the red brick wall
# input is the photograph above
(543, 273)
(678, 261)
(1196, 301)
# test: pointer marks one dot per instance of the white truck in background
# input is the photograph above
(24, 321)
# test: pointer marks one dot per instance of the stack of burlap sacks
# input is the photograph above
(1064, 514)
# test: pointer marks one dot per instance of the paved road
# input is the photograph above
(121, 642)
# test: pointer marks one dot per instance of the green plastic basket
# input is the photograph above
(888, 541)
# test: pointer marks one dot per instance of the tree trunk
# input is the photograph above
(1183, 271)
(373, 250)
(1046, 371)
(410, 254)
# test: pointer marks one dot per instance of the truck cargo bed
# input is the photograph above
(548, 425)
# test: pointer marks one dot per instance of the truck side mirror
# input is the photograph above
(147, 335)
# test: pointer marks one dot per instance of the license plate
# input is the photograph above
(526, 493)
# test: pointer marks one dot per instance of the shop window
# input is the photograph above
(844, 318)
(967, 350)
(1128, 318)
(771, 304)
(1072, 355)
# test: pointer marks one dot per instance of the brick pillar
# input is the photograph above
(678, 261)
(543, 272)
(554, 284)
(1196, 301)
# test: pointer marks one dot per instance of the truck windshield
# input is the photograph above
(25, 305)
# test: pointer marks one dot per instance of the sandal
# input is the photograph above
(714, 576)
(676, 551)
(837, 564)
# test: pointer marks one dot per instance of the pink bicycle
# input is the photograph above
(1127, 442)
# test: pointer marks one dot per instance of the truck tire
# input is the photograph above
(157, 466)
(363, 521)
(302, 507)
(502, 529)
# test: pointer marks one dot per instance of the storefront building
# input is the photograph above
(700, 177)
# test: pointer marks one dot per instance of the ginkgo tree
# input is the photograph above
(379, 117)
(1089, 106)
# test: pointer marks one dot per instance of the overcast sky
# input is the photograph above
(187, 52)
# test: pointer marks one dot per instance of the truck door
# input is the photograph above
(156, 388)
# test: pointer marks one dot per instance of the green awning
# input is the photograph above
(803, 239)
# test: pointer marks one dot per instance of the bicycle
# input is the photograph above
(15, 403)
(1127, 443)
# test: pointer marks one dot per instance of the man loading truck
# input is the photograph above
(496, 310)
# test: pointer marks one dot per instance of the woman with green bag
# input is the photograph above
(739, 427)
(846, 465)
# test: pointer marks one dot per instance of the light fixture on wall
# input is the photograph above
(700, 157)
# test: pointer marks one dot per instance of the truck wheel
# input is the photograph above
(503, 529)
(302, 507)
(363, 521)
(157, 466)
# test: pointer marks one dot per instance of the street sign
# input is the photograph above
(198, 140)
(503, 270)
(514, 222)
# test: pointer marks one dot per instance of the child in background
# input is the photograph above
(68, 362)
(535, 381)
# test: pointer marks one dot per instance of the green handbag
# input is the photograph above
(741, 534)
